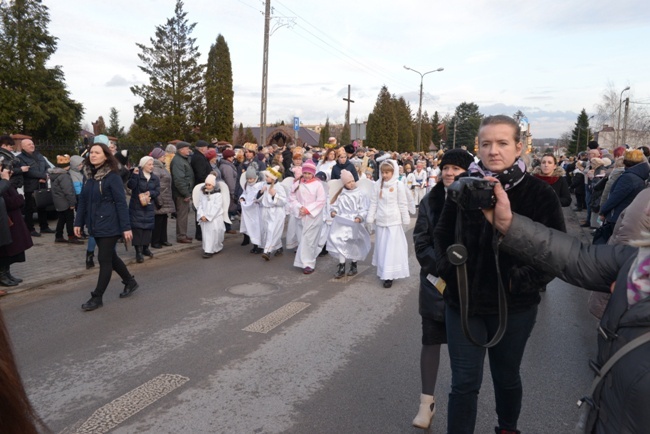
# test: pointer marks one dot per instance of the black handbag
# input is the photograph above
(43, 198)
(603, 233)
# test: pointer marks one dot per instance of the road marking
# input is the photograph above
(275, 318)
(114, 413)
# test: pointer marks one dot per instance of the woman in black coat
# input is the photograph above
(431, 303)
(549, 172)
(499, 149)
(145, 188)
(15, 238)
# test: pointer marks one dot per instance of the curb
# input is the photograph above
(77, 273)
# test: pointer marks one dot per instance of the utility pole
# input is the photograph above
(627, 107)
(347, 115)
(265, 71)
(620, 105)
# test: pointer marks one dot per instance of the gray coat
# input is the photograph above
(165, 199)
(624, 396)
(63, 193)
(182, 176)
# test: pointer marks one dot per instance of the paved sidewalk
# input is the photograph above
(49, 262)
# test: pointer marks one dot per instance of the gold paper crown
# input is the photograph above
(273, 171)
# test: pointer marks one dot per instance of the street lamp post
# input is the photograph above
(620, 103)
(420, 107)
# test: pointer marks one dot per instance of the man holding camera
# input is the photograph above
(34, 179)
(499, 151)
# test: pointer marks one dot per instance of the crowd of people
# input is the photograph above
(330, 201)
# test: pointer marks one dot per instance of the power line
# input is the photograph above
(250, 6)
(376, 71)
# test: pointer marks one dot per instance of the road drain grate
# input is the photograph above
(117, 411)
(274, 319)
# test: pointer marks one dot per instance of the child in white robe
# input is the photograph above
(251, 211)
(209, 214)
(273, 199)
(294, 224)
(307, 202)
(389, 211)
(348, 238)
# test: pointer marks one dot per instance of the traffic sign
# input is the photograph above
(296, 123)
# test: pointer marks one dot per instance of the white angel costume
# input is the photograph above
(211, 206)
(327, 220)
(294, 224)
(251, 212)
(311, 196)
(326, 167)
(418, 184)
(273, 214)
(389, 211)
(347, 238)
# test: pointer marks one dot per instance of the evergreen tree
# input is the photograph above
(381, 131)
(468, 120)
(345, 133)
(241, 136)
(114, 128)
(219, 92)
(34, 98)
(172, 106)
(425, 139)
(249, 136)
(436, 137)
(580, 135)
(99, 126)
(404, 117)
(325, 134)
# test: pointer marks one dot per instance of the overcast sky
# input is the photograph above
(548, 59)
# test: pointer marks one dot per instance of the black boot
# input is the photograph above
(4, 277)
(129, 286)
(146, 251)
(89, 260)
(324, 251)
(388, 283)
(256, 250)
(340, 272)
(93, 303)
(14, 278)
(353, 268)
(247, 240)
(138, 254)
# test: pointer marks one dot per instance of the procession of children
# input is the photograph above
(320, 216)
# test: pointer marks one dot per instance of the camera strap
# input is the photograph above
(457, 255)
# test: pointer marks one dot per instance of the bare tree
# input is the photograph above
(607, 111)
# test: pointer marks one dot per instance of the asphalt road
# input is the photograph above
(343, 357)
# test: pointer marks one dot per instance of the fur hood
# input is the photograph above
(101, 172)
(558, 172)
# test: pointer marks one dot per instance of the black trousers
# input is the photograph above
(159, 234)
(66, 218)
(108, 261)
(30, 207)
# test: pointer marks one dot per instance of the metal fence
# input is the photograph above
(53, 148)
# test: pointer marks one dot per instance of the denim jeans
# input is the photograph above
(467, 367)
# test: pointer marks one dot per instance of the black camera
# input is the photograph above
(472, 193)
(8, 161)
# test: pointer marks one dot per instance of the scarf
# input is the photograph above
(548, 179)
(509, 178)
(638, 281)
